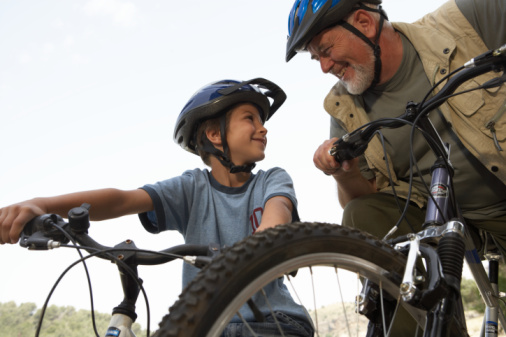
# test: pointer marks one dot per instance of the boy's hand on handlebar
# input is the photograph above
(325, 162)
(13, 219)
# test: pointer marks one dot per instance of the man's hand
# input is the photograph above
(328, 164)
(350, 182)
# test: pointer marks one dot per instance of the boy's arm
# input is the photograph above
(277, 210)
(105, 204)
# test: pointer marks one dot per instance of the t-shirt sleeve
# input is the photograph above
(171, 202)
(487, 18)
(335, 129)
(279, 183)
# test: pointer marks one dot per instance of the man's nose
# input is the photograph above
(326, 64)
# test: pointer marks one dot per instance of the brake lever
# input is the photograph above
(38, 241)
(41, 233)
(348, 147)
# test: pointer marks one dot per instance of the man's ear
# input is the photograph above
(214, 136)
(365, 22)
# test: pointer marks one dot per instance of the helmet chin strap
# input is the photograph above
(222, 155)
(375, 46)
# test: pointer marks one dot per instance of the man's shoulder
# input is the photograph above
(339, 102)
(338, 91)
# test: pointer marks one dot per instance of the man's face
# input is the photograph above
(346, 56)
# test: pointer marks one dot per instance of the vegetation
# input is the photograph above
(22, 320)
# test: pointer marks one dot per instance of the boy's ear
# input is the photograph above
(214, 136)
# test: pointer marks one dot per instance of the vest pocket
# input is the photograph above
(468, 103)
(487, 118)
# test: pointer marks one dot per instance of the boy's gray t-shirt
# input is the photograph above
(204, 211)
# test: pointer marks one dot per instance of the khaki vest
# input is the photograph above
(444, 40)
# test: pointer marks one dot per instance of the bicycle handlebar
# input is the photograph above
(355, 143)
(50, 231)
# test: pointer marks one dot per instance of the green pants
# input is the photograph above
(378, 213)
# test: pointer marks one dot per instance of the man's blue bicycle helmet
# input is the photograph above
(310, 17)
(213, 101)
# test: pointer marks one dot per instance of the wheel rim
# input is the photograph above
(338, 261)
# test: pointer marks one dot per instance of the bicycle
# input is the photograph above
(50, 231)
(387, 273)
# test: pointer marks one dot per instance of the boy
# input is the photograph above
(223, 123)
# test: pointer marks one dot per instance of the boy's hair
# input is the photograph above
(211, 124)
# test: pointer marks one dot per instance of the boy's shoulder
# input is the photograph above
(185, 179)
(197, 176)
(272, 170)
(272, 173)
(196, 172)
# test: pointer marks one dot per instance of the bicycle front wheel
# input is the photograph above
(300, 252)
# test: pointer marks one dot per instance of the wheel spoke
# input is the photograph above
(294, 292)
(359, 284)
(342, 301)
(272, 312)
(247, 324)
(314, 299)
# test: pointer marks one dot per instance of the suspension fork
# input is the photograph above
(490, 326)
(450, 250)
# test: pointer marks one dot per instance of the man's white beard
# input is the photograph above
(364, 74)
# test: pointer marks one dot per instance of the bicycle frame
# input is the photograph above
(487, 287)
(435, 228)
(439, 209)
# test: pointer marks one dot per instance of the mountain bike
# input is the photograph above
(418, 275)
(50, 231)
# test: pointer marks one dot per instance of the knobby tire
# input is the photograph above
(219, 290)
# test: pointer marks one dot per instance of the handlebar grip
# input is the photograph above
(43, 232)
(348, 147)
(340, 155)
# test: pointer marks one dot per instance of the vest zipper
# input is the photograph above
(491, 124)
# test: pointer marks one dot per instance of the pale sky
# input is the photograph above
(89, 94)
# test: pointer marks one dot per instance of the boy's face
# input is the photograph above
(246, 135)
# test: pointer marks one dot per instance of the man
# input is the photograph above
(381, 66)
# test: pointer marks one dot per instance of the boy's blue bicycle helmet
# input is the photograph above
(213, 101)
(310, 17)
